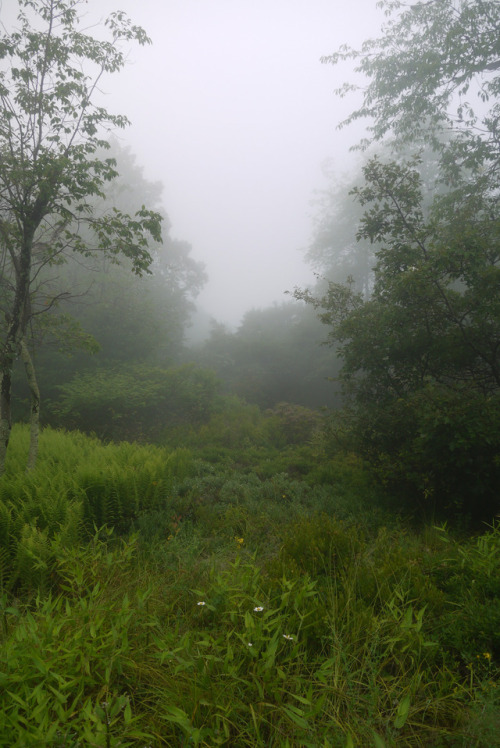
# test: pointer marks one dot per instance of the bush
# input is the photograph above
(78, 484)
(437, 453)
(137, 403)
(292, 424)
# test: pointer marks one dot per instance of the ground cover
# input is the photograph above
(151, 596)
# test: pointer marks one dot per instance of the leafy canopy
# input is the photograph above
(434, 68)
(51, 132)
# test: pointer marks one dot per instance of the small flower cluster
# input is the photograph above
(257, 609)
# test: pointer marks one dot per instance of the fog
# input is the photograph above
(233, 112)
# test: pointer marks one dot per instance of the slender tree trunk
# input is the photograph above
(5, 417)
(35, 405)
(10, 348)
(7, 358)
(17, 317)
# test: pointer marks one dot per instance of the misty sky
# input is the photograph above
(233, 112)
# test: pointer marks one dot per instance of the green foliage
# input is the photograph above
(79, 485)
(469, 574)
(246, 612)
(67, 666)
(319, 545)
(433, 70)
(137, 402)
(236, 427)
(437, 450)
(421, 355)
(294, 423)
(334, 252)
(52, 170)
(420, 346)
(132, 319)
(274, 356)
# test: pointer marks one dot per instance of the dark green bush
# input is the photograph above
(437, 453)
(137, 403)
(470, 579)
(292, 424)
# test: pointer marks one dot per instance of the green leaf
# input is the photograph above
(402, 712)
(296, 716)
(378, 742)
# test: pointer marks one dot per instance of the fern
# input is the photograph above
(33, 558)
(5, 525)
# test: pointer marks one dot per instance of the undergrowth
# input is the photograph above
(152, 598)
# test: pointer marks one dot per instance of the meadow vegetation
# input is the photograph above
(191, 561)
(259, 594)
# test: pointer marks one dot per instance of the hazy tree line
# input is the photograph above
(97, 306)
(113, 356)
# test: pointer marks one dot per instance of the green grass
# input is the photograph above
(325, 621)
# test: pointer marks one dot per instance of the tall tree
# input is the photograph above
(133, 319)
(51, 134)
(334, 252)
(434, 69)
(422, 354)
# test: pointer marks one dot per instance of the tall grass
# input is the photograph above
(244, 611)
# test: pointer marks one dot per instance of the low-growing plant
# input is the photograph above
(67, 661)
(79, 484)
(320, 545)
(470, 580)
(137, 402)
(251, 610)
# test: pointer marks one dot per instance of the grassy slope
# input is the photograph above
(325, 622)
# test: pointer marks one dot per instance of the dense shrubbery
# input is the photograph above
(136, 402)
(436, 452)
(245, 611)
(79, 485)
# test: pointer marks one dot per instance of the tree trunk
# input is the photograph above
(7, 358)
(35, 405)
(16, 321)
(5, 417)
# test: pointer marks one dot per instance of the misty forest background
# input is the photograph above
(282, 534)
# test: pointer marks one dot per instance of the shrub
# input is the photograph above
(291, 424)
(438, 453)
(137, 403)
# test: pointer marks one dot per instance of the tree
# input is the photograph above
(338, 251)
(421, 356)
(51, 134)
(273, 357)
(138, 402)
(434, 71)
(132, 319)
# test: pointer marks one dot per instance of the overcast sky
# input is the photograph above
(233, 112)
